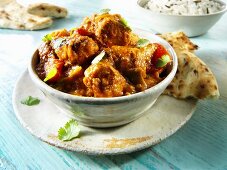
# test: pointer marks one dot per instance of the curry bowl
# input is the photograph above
(106, 112)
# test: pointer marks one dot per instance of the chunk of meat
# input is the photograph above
(132, 62)
(75, 71)
(45, 52)
(59, 33)
(129, 62)
(104, 80)
(109, 30)
(75, 50)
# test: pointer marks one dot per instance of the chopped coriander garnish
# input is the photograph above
(125, 23)
(51, 74)
(72, 30)
(103, 11)
(98, 58)
(70, 131)
(142, 42)
(30, 101)
(47, 38)
(165, 59)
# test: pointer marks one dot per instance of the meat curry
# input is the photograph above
(101, 58)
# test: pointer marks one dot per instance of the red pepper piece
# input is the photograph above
(82, 32)
(160, 57)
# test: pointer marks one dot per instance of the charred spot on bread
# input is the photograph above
(21, 26)
(202, 86)
(195, 72)
(31, 20)
(42, 8)
(170, 87)
(186, 64)
(180, 86)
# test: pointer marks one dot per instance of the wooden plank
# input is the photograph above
(202, 142)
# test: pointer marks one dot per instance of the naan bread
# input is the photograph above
(15, 16)
(179, 41)
(193, 77)
(47, 10)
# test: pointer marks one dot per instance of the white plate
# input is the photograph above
(44, 120)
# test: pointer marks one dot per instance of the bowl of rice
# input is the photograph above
(194, 17)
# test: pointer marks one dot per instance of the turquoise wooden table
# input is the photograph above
(200, 144)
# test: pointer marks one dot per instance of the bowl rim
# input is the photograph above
(101, 100)
(175, 15)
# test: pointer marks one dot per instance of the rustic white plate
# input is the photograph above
(44, 120)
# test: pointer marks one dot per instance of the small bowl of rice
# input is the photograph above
(194, 17)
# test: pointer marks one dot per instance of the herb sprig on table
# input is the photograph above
(30, 101)
(70, 131)
(142, 42)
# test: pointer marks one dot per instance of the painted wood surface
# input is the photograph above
(200, 144)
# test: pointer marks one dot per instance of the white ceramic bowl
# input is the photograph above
(106, 112)
(192, 25)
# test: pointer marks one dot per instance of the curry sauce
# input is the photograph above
(101, 58)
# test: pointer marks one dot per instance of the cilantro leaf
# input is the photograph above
(30, 101)
(51, 74)
(103, 11)
(47, 38)
(69, 131)
(125, 23)
(165, 59)
(72, 30)
(98, 58)
(142, 42)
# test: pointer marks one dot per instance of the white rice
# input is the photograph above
(184, 7)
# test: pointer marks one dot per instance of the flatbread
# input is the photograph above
(15, 16)
(47, 10)
(179, 41)
(193, 77)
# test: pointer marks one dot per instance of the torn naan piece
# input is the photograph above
(193, 77)
(47, 10)
(179, 41)
(15, 16)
